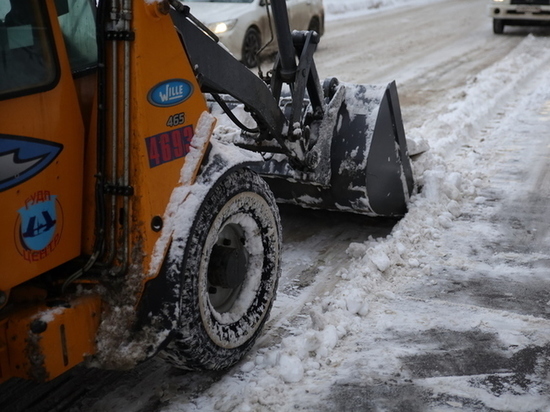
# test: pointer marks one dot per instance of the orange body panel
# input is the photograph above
(49, 218)
(31, 244)
(160, 134)
(166, 103)
(44, 341)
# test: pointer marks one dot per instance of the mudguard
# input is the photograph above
(158, 310)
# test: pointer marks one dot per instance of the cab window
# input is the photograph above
(77, 21)
(27, 58)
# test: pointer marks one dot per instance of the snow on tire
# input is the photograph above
(230, 273)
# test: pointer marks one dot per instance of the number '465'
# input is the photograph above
(176, 120)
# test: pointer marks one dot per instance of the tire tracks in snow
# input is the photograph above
(392, 292)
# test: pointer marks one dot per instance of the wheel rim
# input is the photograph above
(227, 268)
(251, 45)
(226, 298)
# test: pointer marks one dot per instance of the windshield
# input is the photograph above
(77, 21)
(27, 59)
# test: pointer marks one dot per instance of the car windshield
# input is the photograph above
(218, 1)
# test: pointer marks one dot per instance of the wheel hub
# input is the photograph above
(227, 267)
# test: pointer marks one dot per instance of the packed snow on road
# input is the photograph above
(446, 309)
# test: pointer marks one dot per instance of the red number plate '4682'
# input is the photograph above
(168, 146)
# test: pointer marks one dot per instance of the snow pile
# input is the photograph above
(337, 9)
(365, 309)
(360, 327)
(482, 97)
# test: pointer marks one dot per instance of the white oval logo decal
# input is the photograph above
(170, 93)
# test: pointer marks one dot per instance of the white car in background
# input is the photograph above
(243, 26)
(519, 13)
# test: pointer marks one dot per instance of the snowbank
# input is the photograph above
(366, 323)
(338, 9)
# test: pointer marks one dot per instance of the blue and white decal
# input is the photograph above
(39, 226)
(170, 93)
(38, 223)
(23, 157)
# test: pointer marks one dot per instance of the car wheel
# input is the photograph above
(498, 26)
(251, 46)
(229, 273)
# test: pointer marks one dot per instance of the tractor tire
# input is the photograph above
(498, 26)
(230, 272)
(252, 43)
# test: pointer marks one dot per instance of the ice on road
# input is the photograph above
(449, 310)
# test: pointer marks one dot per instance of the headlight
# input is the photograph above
(222, 26)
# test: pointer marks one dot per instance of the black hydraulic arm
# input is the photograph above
(220, 73)
(287, 54)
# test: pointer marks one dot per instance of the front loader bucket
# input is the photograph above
(364, 166)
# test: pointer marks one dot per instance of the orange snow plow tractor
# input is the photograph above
(130, 228)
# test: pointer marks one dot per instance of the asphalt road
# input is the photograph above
(432, 51)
